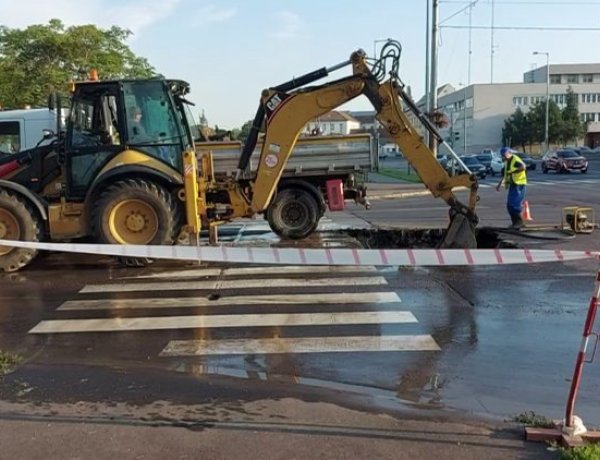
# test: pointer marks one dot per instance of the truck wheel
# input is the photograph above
(293, 214)
(18, 221)
(135, 211)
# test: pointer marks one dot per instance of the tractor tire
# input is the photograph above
(135, 211)
(293, 214)
(18, 221)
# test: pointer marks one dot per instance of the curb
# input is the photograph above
(389, 196)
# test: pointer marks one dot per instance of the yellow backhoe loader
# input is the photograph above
(125, 168)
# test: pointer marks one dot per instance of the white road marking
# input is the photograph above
(269, 299)
(220, 321)
(300, 345)
(285, 270)
(235, 284)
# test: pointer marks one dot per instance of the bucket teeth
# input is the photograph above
(460, 234)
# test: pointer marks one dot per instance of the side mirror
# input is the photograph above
(48, 134)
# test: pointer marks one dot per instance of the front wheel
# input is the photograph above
(294, 214)
(135, 211)
(18, 222)
(584, 171)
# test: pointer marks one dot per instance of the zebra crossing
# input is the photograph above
(492, 182)
(295, 309)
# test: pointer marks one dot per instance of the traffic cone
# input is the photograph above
(526, 214)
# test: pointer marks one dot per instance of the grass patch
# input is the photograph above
(530, 418)
(589, 452)
(8, 361)
(402, 175)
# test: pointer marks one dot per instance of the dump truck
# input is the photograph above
(332, 169)
(125, 168)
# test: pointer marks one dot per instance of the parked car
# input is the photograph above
(486, 160)
(583, 150)
(497, 165)
(470, 162)
(530, 163)
(564, 160)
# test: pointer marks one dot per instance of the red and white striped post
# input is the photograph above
(581, 360)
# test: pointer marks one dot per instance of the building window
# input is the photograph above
(555, 79)
(573, 78)
(594, 100)
(342, 128)
(469, 103)
(587, 78)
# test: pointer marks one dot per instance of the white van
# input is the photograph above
(23, 129)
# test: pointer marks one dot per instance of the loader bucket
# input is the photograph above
(460, 234)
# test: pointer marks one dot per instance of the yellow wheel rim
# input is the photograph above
(9, 229)
(133, 222)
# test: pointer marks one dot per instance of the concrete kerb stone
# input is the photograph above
(396, 195)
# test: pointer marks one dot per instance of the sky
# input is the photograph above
(229, 50)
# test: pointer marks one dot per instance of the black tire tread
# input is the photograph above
(19, 258)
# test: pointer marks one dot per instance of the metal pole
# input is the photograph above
(434, 67)
(546, 136)
(492, 47)
(470, 43)
(587, 333)
(465, 121)
(427, 71)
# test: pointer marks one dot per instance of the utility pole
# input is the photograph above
(492, 47)
(427, 57)
(434, 68)
(546, 136)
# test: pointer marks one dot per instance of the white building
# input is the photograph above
(477, 112)
(332, 123)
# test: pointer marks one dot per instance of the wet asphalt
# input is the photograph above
(507, 337)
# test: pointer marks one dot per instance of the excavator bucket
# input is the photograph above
(460, 234)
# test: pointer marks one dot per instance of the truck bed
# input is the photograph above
(312, 156)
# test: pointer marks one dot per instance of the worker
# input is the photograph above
(515, 179)
(136, 128)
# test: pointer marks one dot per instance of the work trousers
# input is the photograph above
(514, 201)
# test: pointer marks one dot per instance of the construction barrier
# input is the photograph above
(320, 256)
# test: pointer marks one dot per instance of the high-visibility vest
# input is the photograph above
(518, 178)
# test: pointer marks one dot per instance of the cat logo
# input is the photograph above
(273, 102)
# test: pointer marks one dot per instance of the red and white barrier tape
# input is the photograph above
(301, 256)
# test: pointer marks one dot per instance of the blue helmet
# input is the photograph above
(505, 150)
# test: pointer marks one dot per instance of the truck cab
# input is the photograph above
(23, 129)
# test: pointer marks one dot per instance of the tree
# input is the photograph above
(243, 132)
(572, 128)
(517, 129)
(537, 120)
(40, 59)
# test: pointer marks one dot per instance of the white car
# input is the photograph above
(496, 165)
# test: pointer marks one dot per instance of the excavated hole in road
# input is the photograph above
(421, 238)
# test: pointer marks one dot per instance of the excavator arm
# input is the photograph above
(284, 113)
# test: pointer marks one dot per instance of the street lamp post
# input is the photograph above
(546, 138)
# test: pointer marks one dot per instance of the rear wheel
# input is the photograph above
(135, 211)
(19, 222)
(293, 214)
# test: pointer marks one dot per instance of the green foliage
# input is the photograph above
(396, 174)
(530, 418)
(242, 133)
(43, 58)
(8, 361)
(521, 129)
(589, 452)
(517, 129)
(572, 128)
